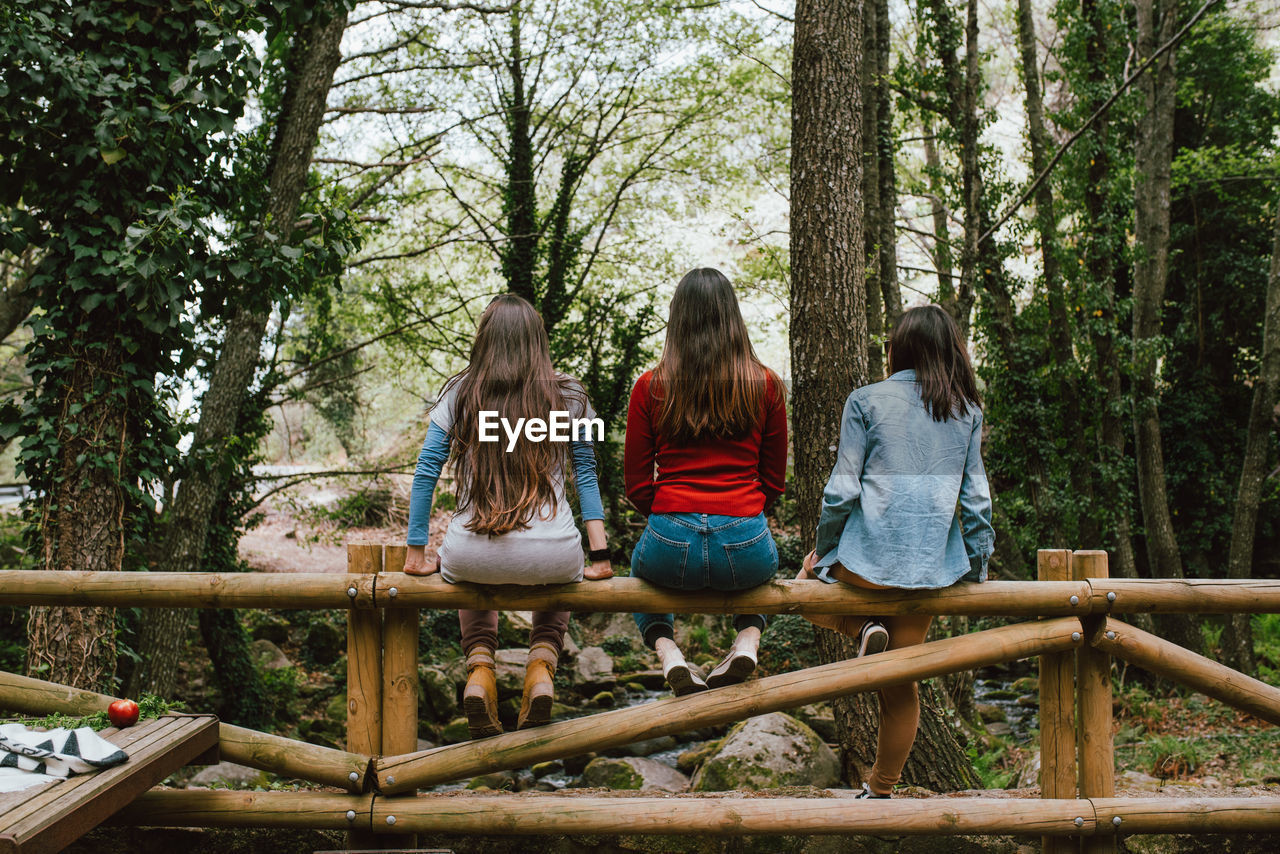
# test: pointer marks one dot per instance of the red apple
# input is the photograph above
(123, 713)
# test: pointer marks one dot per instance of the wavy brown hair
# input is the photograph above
(510, 371)
(708, 383)
(927, 340)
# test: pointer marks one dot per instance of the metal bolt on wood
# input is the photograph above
(1079, 821)
(1075, 600)
(354, 777)
(1116, 821)
(391, 781)
(1075, 636)
(1111, 596)
(391, 819)
(351, 815)
(351, 591)
(392, 592)
(1111, 635)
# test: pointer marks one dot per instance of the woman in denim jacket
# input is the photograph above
(907, 505)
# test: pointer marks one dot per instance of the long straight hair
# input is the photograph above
(709, 383)
(927, 340)
(510, 371)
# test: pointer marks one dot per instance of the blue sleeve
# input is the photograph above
(584, 472)
(844, 487)
(435, 451)
(975, 505)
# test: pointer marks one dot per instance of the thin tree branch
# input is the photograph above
(1106, 105)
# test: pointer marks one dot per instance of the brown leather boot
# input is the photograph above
(535, 705)
(480, 697)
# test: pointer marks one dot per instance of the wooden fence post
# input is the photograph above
(1093, 735)
(1057, 710)
(399, 670)
(364, 672)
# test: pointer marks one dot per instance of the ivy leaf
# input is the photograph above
(113, 156)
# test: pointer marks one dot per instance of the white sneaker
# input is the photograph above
(682, 679)
(736, 667)
(873, 638)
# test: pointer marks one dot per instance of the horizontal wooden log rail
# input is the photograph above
(266, 752)
(725, 705)
(314, 591)
(533, 814)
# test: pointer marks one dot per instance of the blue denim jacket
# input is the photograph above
(907, 504)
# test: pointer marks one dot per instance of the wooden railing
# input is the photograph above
(382, 769)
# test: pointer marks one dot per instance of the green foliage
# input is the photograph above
(1266, 646)
(616, 645)
(789, 643)
(149, 707)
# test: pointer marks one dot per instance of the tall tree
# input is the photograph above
(828, 336)
(1237, 640)
(114, 200)
(202, 489)
(1153, 157)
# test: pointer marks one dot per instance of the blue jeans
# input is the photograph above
(701, 551)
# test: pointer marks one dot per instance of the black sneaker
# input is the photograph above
(865, 794)
(873, 638)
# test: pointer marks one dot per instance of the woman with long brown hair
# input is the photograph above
(512, 524)
(907, 505)
(706, 454)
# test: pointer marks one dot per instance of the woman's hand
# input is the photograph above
(598, 570)
(415, 562)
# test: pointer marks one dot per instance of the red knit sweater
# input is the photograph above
(727, 477)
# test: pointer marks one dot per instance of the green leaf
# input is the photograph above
(113, 155)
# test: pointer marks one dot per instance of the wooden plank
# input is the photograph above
(127, 740)
(1057, 708)
(1185, 595)
(267, 752)
(67, 811)
(725, 705)
(1096, 752)
(399, 674)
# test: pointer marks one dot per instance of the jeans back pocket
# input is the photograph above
(660, 560)
(753, 561)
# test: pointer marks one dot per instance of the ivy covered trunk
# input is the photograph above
(203, 489)
(81, 518)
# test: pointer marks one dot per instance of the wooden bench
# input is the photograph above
(49, 817)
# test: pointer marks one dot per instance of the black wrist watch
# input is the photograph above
(599, 554)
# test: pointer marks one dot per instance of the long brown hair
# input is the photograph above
(927, 340)
(709, 383)
(510, 372)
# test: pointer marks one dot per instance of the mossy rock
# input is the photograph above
(632, 773)
(768, 752)
(604, 700)
(691, 760)
(456, 731)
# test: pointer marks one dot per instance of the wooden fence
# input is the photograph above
(382, 770)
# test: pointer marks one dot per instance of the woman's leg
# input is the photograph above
(548, 629)
(846, 625)
(480, 696)
(545, 642)
(479, 628)
(899, 708)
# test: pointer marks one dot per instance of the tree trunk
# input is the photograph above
(873, 211)
(1153, 159)
(1237, 640)
(313, 60)
(828, 332)
(82, 518)
(886, 149)
(1061, 352)
(1101, 250)
(519, 255)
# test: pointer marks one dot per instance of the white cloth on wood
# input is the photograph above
(29, 757)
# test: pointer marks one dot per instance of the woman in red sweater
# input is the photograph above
(706, 453)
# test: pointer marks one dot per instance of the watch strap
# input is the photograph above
(599, 554)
